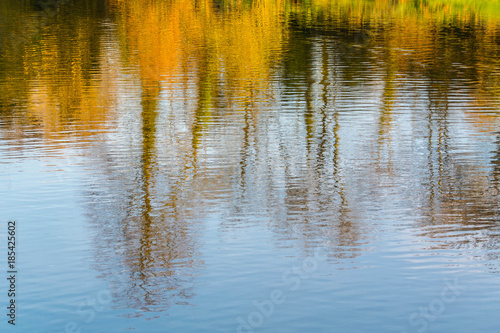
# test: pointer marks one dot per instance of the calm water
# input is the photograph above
(267, 166)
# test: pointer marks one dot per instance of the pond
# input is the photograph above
(251, 166)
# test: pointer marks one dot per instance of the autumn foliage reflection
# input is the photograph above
(302, 112)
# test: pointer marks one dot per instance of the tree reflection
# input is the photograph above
(318, 116)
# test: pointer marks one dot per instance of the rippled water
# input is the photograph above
(267, 166)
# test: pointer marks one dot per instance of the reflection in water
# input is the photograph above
(324, 122)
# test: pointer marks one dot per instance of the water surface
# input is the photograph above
(177, 166)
